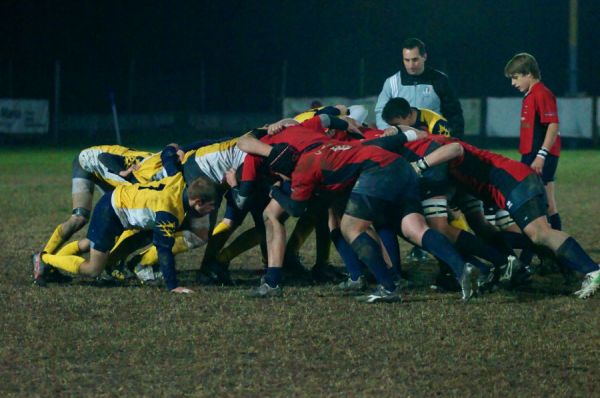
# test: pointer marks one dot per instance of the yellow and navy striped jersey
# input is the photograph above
(215, 159)
(137, 205)
(90, 162)
(151, 169)
(432, 122)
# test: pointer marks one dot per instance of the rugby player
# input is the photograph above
(159, 206)
(106, 166)
(383, 187)
(514, 186)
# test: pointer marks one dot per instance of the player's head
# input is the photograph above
(397, 111)
(523, 71)
(202, 195)
(524, 64)
(414, 55)
(282, 159)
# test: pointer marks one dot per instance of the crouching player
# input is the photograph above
(515, 187)
(106, 166)
(158, 206)
(383, 187)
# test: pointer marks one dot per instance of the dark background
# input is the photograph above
(242, 45)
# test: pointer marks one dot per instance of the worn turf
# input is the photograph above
(85, 340)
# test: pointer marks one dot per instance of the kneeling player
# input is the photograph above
(93, 166)
(160, 206)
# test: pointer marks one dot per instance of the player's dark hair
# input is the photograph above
(413, 42)
(523, 63)
(395, 107)
(202, 188)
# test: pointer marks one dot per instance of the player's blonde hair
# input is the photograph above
(523, 63)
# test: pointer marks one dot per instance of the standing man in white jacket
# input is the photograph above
(422, 87)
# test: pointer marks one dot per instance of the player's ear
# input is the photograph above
(194, 202)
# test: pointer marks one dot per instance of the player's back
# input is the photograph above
(137, 204)
(340, 162)
(215, 159)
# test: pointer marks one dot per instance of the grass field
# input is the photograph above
(83, 340)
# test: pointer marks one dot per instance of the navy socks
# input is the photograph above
(468, 243)
(351, 261)
(438, 245)
(273, 276)
(571, 255)
(369, 252)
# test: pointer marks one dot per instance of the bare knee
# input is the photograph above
(537, 233)
(414, 227)
(352, 227)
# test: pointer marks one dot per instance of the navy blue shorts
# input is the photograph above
(385, 195)
(105, 226)
(527, 201)
(531, 210)
(525, 190)
(549, 169)
(394, 183)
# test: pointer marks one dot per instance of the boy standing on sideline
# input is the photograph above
(539, 137)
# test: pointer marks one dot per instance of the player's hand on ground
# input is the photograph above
(230, 178)
(538, 165)
(182, 290)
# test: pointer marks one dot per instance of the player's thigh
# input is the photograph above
(82, 194)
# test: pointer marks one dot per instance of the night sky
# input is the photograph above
(242, 47)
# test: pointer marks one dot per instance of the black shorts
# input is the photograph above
(394, 183)
(533, 209)
(549, 169)
(434, 182)
(385, 195)
(524, 191)
(105, 226)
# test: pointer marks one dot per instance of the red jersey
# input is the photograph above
(538, 110)
(415, 150)
(368, 134)
(300, 136)
(487, 174)
(335, 166)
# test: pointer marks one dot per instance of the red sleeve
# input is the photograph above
(546, 107)
(370, 133)
(314, 123)
(303, 184)
(251, 165)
